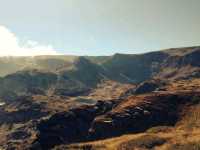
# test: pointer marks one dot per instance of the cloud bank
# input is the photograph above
(9, 45)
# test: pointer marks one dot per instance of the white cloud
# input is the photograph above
(9, 45)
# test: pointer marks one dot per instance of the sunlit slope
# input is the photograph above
(10, 65)
(61, 74)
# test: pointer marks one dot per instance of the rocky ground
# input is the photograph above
(152, 120)
(159, 120)
(23, 121)
(142, 102)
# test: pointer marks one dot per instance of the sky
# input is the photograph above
(96, 27)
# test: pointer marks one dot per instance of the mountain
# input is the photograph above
(134, 68)
(11, 65)
(24, 82)
(68, 75)
(85, 72)
(121, 102)
(75, 79)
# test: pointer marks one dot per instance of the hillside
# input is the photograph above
(79, 74)
(147, 65)
(147, 118)
(11, 65)
(120, 102)
(161, 120)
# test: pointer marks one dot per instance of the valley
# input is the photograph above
(120, 102)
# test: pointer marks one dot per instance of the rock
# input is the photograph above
(146, 87)
(146, 112)
(70, 126)
(18, 135)
(133, 117)
(36, 146)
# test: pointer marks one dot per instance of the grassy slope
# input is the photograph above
(184, 135)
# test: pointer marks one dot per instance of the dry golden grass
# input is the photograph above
(144, 141)
(109, 90)
(185, 135)
(184, 85)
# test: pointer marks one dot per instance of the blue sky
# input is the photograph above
(98, 27)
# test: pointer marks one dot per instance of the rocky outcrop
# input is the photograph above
(108, 119)
(139, 113)
(70, 126)
(18, 135)
(149, 86)
(21, 111)
(144, 87)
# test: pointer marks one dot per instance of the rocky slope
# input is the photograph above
(170, 108)
(22, 117)
(76, 75)
(157, 120)
(85, 99)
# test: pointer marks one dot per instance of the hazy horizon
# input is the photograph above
(139, 53)
(96, 28)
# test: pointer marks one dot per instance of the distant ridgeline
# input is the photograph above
(74, 75)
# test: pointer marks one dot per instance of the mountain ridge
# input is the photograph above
(86, 103)
(82, 74)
